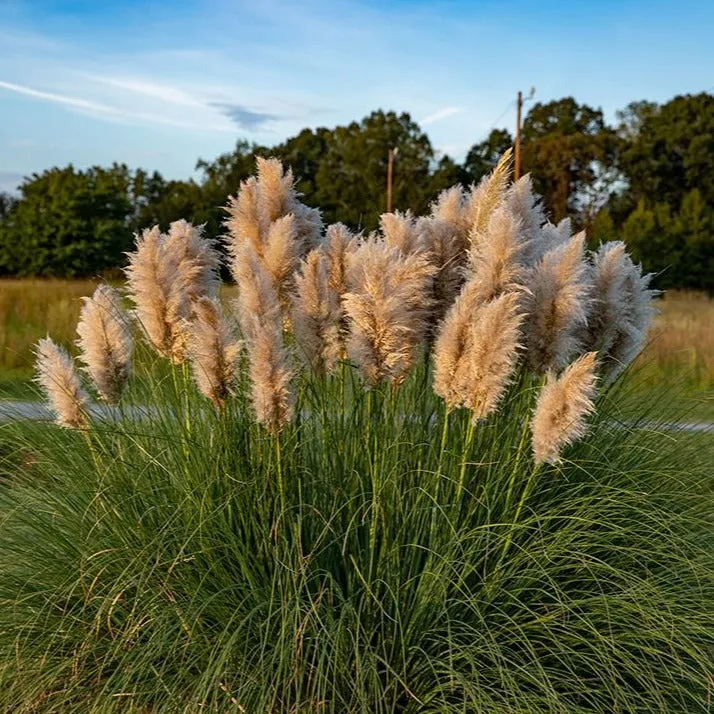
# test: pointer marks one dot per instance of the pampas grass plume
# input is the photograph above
(488, 194)
(214, 350)
(317, 314)
(562, 408)
(476, 351)
(388, 307)
(400, 231)
(57, 376)
(105, 341)
(196, 258)
(160, 294)
(556, 303)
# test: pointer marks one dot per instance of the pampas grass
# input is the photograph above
(214, 351)
(57, 376)
(105, 342)
(387, 307)
(562, 408)
(434, 526)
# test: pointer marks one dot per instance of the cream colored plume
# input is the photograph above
(105, 341)
(556, 303)
(270, 375)
(562, 408)
(281, 256)
(444, 249)
(160, 293)
(400, 231)
(339, 244)
(476, 351)
(197, 260)
(257, 297)
(496, 258)
(214, 350)
(278, 198)
(317, 314)
(450, 207)
(246, 221)
(484, 198)
(387, 307)
(622, 307)
(526, 206)
(58, 378)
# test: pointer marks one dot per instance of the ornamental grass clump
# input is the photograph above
(390, 476)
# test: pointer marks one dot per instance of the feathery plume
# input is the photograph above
(213, 349)
(476, 352)
(450, 207)
(317, 314)
(257, 298)
(270, 375)
(562, 408)
(444, 249)
(387, 307)
(496, 255)
(339, 244)
(621, 307)
(58, 378)
(526, 206)
(484, 198)
(400, 231)
(160, 294)
(197, 260)
(555, 303)
(245, 220)
(280, 256)
(105, 341)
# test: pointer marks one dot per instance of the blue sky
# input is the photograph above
(158, 84)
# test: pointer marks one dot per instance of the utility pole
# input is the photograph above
(517, 153)
(517, 162)
(390, 173)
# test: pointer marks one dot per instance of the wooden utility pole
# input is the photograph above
(517, 160)
(390, 171)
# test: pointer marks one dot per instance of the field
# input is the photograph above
(679, 355)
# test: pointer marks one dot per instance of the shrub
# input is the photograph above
(340, 536)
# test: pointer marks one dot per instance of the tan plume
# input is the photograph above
(450, 207)
(484, 198)
(476, 351)
(556, 305)
(213, 349)
(270, 375)
(317, 314)
(160, 293)
(496, 258)
(105, 341)
(196, 257)
(444, 249)
(57, 376)
(400, 231)
(388, 307)
(562, 409)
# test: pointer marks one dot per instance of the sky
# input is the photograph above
(159, 83)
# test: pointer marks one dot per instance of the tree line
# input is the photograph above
(647, 179)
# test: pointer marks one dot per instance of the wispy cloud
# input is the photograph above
(245, 118)
(440, 114)
(107, 111)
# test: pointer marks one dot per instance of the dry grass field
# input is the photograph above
(680, 351)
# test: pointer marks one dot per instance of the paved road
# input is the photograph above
(16, 410)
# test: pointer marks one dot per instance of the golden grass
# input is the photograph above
(681, 345)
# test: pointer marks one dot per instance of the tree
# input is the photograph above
(570, 153)
(352, 175)
(671, 150)
(68, 223)
(483, 157)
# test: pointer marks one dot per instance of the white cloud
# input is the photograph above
(440, 114)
